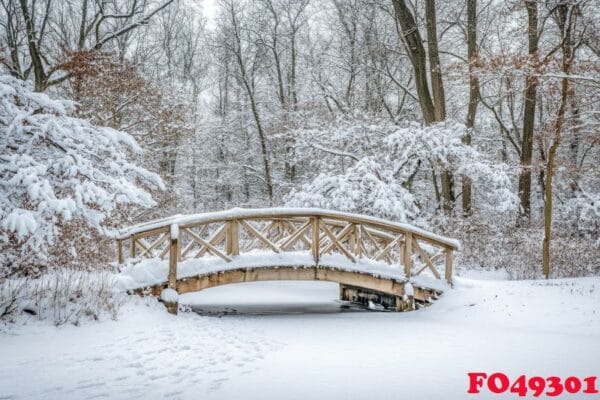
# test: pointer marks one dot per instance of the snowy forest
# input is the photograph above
(334, 199)
(478, 119)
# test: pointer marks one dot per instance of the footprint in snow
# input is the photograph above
(90, 385)
(157, 377)
(173, 394)
(217, 371)
(216, 384)
(98, 396)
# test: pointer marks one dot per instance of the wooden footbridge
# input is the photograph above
(372, 259)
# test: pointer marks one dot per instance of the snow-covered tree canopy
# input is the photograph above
(55, 168)
(380, 176)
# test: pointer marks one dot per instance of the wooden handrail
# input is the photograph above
(186, 221)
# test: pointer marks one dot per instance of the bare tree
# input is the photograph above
(100, 23)
(566, 16)
(247, 58)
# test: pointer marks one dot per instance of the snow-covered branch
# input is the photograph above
(380, 183)
(57, 169)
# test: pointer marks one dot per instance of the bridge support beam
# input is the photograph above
(407, 256)
(448, 266)
(172, 304)
(354, 287)
(406, 303)
(360, 295)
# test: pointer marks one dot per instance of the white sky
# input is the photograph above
(209, 10)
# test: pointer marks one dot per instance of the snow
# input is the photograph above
(241, 213)
(50, 172)
(21, 222)
(155, 271)
(169, 295)
(291, 340)
(174, 231)
(388, 157)
(377, 307)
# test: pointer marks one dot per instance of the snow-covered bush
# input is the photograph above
(440, 148)
(517, 249)
(58, 171)
(392, 176)
(366, 188)
(63, 297)
(583, 210)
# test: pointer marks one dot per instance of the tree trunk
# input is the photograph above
(435, 69)
(275, 50)
(432, 108)
(293, 93)
(528, 114)
(416, 51)
(248, 84)
(261, 133)
(473, 96)
(564, 23)
(439, 99)
(280, 89)
(40, 77)
(263, 148)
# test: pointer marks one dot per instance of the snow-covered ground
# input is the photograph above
(291, 340)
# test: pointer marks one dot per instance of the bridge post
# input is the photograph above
(132, 246)
(448, 266)
(357, 240)
(232, 238)
(172, 306)
(316, 238)
(406, 257)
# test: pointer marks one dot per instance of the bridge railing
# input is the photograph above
(228, 234)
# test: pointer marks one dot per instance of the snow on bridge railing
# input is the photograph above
(246, 213)
(227, 234)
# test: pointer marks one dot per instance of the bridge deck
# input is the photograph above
(155, 271)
